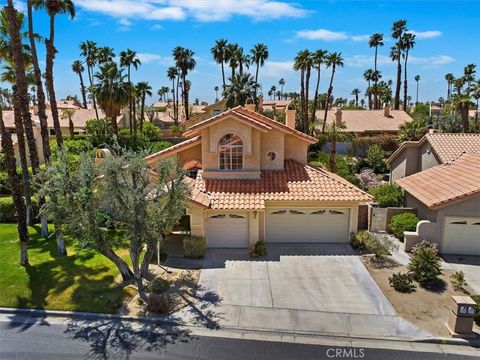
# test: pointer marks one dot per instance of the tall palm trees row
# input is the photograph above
(305, 62)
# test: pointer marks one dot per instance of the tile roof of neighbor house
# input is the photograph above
(442, 184)
(368, 120)
(254, 118)
(174, 149)
(268, 104)
(296, 183)
(447, 146)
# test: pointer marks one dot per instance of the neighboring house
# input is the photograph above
(250, 181)
(278, 105)
(366, 121)
(431, 150)
(214, 109)
(447, 199)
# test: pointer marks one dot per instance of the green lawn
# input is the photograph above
(82, 281)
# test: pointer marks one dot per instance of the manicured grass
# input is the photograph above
(82, 281)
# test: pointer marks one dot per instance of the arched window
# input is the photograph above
(230, 149)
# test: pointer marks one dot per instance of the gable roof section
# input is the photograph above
(296, 183)
(252, 118)
(442, 184)
(173, 149)
(447, 146)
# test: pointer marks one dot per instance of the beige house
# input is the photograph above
(431, 150)
(250, 181)
(366, 121)
(447, 199)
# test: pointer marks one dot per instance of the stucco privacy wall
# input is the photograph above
(432, 229)
(381, 217)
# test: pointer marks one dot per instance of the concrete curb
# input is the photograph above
(164, 320)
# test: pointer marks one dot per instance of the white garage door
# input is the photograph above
(307, 225)
(227, 230)
(461, 236)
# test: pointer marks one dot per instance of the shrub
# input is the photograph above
(388, 195)
(374, 158)
(476, 298)
(403, 222)
(357, 240)
(4, 185)
(258, 249)
(159, 285)
(77, 146)
(176, 129)
(194, 247)
(368, 179)
(402, 282)
(150, 130)
(157, 146)
(458, 280)
(100, 130)
(379, 247)
(7, 210)
(425, 263)
(159, 303)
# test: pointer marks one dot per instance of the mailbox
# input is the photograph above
(460, 319)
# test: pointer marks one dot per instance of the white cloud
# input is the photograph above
(157, 27)
(357, 38)
(430, 34)
(20, 5)
(148, 58)
(201, 10)
(125, 22)
(276, 69)
(365, 61)
(321, 34)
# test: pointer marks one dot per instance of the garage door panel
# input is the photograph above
(307, 225)
(227, 230)
(461, 236)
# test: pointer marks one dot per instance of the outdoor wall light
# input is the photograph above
(254, 214)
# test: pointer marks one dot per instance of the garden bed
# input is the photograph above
(426, 308)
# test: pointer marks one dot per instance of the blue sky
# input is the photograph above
(447, 38)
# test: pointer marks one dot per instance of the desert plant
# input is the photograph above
(379, 247)
(403, 222)
(476, 298)
(357, 240)
(159, 285)
(458, 280)
(425, 263)
(402, 282)
(388, 195)
(194, 247)
(159, 303)
(258, 249)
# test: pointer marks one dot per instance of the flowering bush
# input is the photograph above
(368, 179)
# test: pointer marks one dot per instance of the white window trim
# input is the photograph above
(230, 146)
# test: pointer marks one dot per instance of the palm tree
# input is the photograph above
(417, 79)
(375, 41)
(105, 54)
(318, 58)
(185, 62)
(259, 55)
(216, 92)
(462, 103)
(68, 114)
(273, 89)
(368, 76)
(332, 60)
(78, 69)
(89, 52)
(219, 52)
(408, 42)
(469, 73)
(231, 57)
(172, 74)
(356, 92)
(112, 91)
(241, 89)
(450, 78)
(281, 82)
(10, 164)
(54, 7)
(458, 85)
(128, 59)
(303, 62)
(475, 92)
(398, 29)
(42, 114)
(143, 89)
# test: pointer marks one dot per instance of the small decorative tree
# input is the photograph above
(425, 263)
(375, 156)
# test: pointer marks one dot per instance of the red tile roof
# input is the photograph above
(173, 149)
(442, 184)
(296, 183)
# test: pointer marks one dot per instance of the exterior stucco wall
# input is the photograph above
(423, 212)
(428, 159)
(295, 149)
(193, 153)
(197, 220)
(274, 141)
(433, 231)
(405, 164)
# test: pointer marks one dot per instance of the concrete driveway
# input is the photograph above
(470, 265)
(324, 289)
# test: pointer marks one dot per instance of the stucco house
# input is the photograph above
(250, 181)
(431, 150)
(447, 199)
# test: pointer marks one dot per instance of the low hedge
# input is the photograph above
(403, 222)
(7, 210)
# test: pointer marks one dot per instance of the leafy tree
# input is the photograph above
(388, 195)
(374, 158)
(99, 130)
(412, 130)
